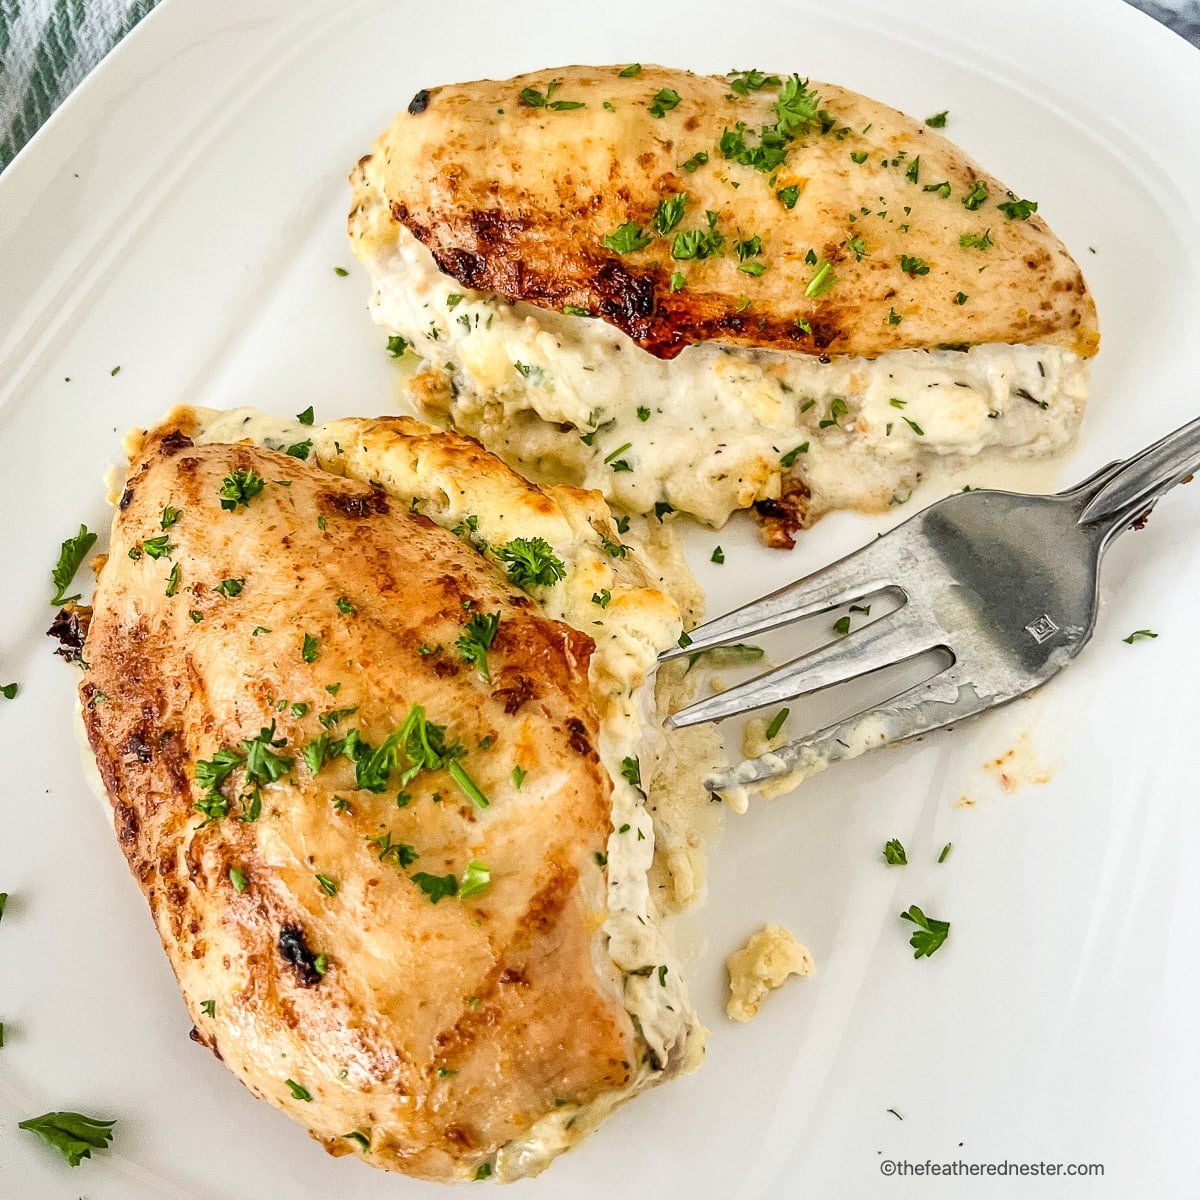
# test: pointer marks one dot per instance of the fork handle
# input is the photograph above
(1141, 480)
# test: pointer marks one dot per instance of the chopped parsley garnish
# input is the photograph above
(695, 162)
(718, 556)
(531, 562)
(664, 101)
(9, 691)
(669, 213)
(893, 317)
(340, 272)
(170, 516)
(239, 487)
(70, 558)
(476, 640)
(961, 297)
(837, 410)
(911, 265)
(327, 885)
(466, 784)
(631, 771)
(300, 450)
(938, 120)
(1017, 210)
(298, 1092)
(789, 459)
(662, 509)
(613, 549)
(893, 853)
(745, 82)
(436, 887)
(777, 723)
(789, 195)
(677, 281)
(618, 451)
(976, 241)
(630, 71)
(601, 858)
(359, 1139)
(1138, 634)
(643, 413)
(821, 282)
(238, 878)
(913, 171)
(929, 934)
(3, 902)
(230, 587)
(857, 247)
(483, 1171)
(945, 852)
(575, 310)
(697, 243)
(797, 108)
(623, 523)
(310, 648)
(519, 775)
(976, 196)
(914, 427)
(306, 417)
(400, 853)
(771, 152)
(747, 248)
(208, 1008)
(858, 156)
(346, 606)
(173, 579)
(602, 598)
(157, 547)
(396, 345)
(475, 880)
(627, 238)
(72, 1134)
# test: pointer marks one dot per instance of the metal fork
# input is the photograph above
(1005, 585)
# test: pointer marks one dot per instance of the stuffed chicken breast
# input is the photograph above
(704, 293)
(370, 710)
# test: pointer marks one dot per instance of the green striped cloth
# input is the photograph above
(46, 48)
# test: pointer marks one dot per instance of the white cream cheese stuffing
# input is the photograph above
(568, 397)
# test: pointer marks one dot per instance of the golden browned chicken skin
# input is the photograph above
(636, 196)
(414, 976)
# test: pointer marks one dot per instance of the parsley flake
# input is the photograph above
(239, 487)
(929, 935)
(70, 558)
(627, 238)
(72, 1134)
(476, 640)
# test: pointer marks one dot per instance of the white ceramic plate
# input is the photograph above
(180, 218)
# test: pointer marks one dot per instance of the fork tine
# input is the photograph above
(851, 578)
(926, 706)
(892, 639)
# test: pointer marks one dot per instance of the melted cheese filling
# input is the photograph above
(629, 633)
(571, 398)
